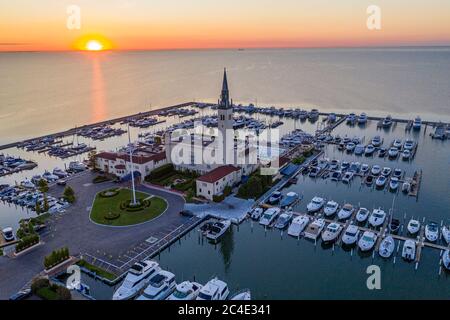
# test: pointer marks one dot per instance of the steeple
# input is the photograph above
(224, 102)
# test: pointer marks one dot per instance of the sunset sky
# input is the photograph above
(168, 24)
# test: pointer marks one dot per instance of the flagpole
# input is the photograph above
(131, 161)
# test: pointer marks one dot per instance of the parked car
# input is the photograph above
(187, 213)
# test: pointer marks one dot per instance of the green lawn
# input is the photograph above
(100, 272)
(103, 206)
(47, 294)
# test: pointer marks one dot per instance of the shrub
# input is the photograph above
(39, 283)
(100, 178)
(160, 172)
(299, 160)
(56, 257)
(227, 191)
(26, 242)
(69, 194)
(112, 216)
(218, 198)
(63, 293)
(43, 185)
(109, 193)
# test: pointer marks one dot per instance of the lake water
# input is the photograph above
(42, 93)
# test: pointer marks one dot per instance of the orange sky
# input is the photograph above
(168, 24)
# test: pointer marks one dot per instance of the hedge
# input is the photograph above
(56, 257)
(161, 171)
(99, 179)
(218, 198)
(27, 242)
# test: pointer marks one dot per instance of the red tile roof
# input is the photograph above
(120, 166)
(107, 155)
(138, 159)
(217, 174)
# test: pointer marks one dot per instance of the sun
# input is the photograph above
(94, 45)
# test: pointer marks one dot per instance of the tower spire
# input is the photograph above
(224, 102)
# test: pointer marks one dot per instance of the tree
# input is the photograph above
(37, 208)
(43, 185)
(63, 293)
(45, 206)
(69, 194)
(92, 159)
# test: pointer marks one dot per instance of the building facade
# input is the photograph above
(214, 182)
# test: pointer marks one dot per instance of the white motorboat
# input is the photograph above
(160, 286)
(351, 119)
(50, 177)
(377, 141)
(314, 229)
(283, 220)
(376, 170)
(365, 168)
(185, 290)
(297, 226)
(413, 226)
(362, 119)
(60, 173)
(214, 289)
(275, 197)
(446, 233)
(346, 211)
(387, 247)
(369, 150)
(76, 166)
(256, 213)
(387, 122)
(348, 177)
(269, 216)
(386, 171)
(432, 231)
(350, 235)
(330, 208)
(290, 198)
(409, 250)
(397, 143)
(136, 279)
(217, 229)
(242, 295)
(409, 144)
(362, 214)
(381, 181)
(359, 149)
(417, 123)
(27, 184)
(367, 241)
(350, 147)
(315, 205)
(8, 234)
(406, 154)
(331, 232)
(406, 186)
(377, 217)
(334, 164)
(446, 259)
(393, 184)
(393, 152)
(398, 173)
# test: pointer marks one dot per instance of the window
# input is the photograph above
(200, 190)
(209, 192)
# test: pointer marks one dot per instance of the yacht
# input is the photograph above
(386, 171)
(413, 226)
(406, 154)
(394, 225)
(315, 205)
(351, 119)
(362, 215)
(334, 164)
(446, 233)
(50, 176)
(275, 197)
(397, 143)
(217, 229)
(382, 152)
(185, 290)
(409, 250)
(76, 166)
(446, 259)
(398, 173)
(298, 225)
(377, 218)
(387, 247)
(387, 122)
(367, 241)
(369, 180)
(242, 295)
(160, 286)
(283, 220)
(393, 184)
(36, 179)
(431, 231)
(359, 149)
(60, 173)
(381, 181)
(350, 235)
(314, 229)
(346, 211)
(313, 115)
(376, 170)
(331, 232)
(269, 216)
(136, 278)
(369, 150)
(330, 208)
(417, 123)
(348, 176)
(365, 168)
(393, 152)
(409, 144)
(214, 289)
(336, 175)
(350, 147)
(406, 186)
(345, 165)
(289, 199)
(27, 184)
(377, 141)
(8, 234)
(256, 213)
(362, 119)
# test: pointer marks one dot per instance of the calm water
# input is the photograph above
(46, 92)
(42, 93)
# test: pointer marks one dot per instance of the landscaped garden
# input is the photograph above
(167, 176)
(114, 207)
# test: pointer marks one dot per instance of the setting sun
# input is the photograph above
(94, 45)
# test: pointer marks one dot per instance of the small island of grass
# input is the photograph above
(113, 207)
